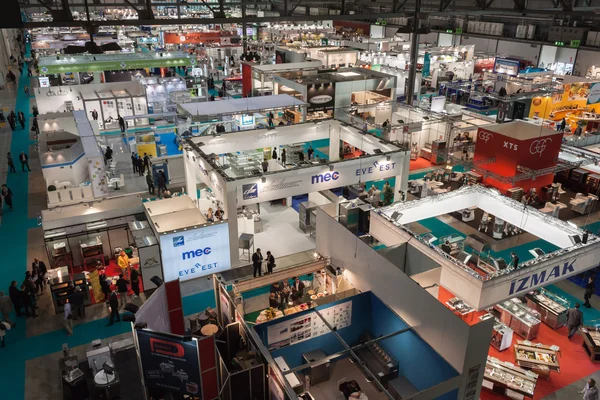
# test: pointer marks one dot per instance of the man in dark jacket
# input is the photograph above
(590, 288)
(41, 266)
(146, 162)
(257, 259)
(26, 301)
(122, 124)
(135, 281)
(24, 161)
(113, 301)
(150, 183)
(77, 302)
(134, 162)
(21, 118)
(162, 182)
(140, 166)
(574, 320)
(122, 289)
(15, 297)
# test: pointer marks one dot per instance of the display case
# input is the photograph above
(438, 152)
(60, 255)
(524, 321)
(294, 153)
(591, 340)
(245, 163)
(91, 251)
(505, 378)
(552, 308)
(537, 356)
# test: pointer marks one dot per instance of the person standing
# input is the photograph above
(162, 182)
(7, 194)
(270, 262)
(12, 121)
(590, 391)
(121, 123)
(146, 162)
(95, 115)
(563, 124)
(257, 259)
(36, 276)
(68, 318)
(42, 268)
(135, 282)
(26, 301)
(11, 163)
(590, 288)
(298, 286)
(22, 119)
(265, 165)
(150, 183)
(113, 302)
(310, 152)
(24, 161)
(122, 288)
(123, 262)
(6, 308)
(140, 166)
(134, 162)
(15, 297)
(77, 299)
(574, 320)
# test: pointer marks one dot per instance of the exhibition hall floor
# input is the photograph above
(29, 368)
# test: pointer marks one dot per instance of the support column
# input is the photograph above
(334, 141)
(230, 208)
(402, 179)
(414, 55)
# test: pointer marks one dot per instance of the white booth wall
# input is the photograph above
(585, 60)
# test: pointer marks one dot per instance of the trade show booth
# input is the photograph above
(232, 167)
(109, 100)
(258, 80)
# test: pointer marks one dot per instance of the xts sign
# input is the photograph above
(539, 278)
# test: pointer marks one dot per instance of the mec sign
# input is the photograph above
(329, 176)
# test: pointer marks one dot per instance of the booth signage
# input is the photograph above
(194, 253)
(346, 173)
(594, 96)
(192, 38)
(321, 97)
(168, 362)
(544, 277)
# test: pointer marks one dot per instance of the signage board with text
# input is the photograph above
(194, 253)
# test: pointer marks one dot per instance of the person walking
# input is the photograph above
(590, 391)
(12, 121)
(7, 194)
(26, 90)
(134, 162)
(21, 117)
(270, 262)
(5, 308)
(15, 297)
(41, 266)
(77, 301)
(122, 288)
(11, 163)
(590, 288)
(574, 320)
(150, 183)
(135, 282)
(257, 259)
(122, 124)
(24, 161)
(68, 318)
(113, 302)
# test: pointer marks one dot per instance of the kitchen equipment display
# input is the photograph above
(591, 341)
(503, 375)
(520, 318)
(552, 308)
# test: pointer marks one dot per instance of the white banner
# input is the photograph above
(150, 265)
(194, 253)
(309, 180)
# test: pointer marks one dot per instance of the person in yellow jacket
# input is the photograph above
(123, 262)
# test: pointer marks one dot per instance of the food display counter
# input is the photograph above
(506, 378)
(591, 342)
(524, 321)
(459, 307)
(538, 357)
(60, 255)
(63, 286)
(552, 308)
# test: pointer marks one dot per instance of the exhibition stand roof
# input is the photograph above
(301, 66)
(165, 206)
(241, 106)
(110, 62)
(483, 291)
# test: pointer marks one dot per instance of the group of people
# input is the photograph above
(14, 118)
(257, 261)
(282, 293)
(212, 216)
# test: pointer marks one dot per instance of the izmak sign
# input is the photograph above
(544, 277)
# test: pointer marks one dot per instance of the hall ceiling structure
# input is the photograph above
(72, 13)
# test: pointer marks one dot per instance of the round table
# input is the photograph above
(209, 330)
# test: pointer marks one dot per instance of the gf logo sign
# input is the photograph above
(485, 136)
(538, 146)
